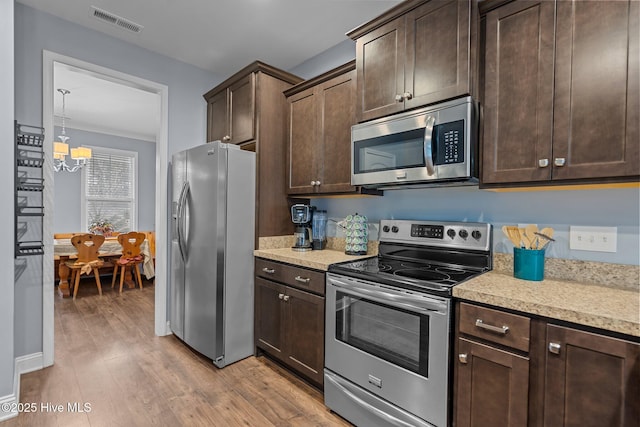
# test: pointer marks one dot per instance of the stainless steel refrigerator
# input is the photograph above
(212, 241)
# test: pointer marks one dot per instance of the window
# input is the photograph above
(109, 189)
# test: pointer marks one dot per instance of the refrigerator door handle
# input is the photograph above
(181, 221)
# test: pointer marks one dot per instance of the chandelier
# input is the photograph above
(61, 148)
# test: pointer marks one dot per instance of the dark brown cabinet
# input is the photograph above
(590, 379)
(515, 371)
(492, 386)
(249, 109)
(321, 113)
(289, 318)
(231, 112)
(491, 378)
(560, 97)
(415, 54)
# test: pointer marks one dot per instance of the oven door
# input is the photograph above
(391, 342)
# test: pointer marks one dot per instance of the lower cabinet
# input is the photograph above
(493, 386)
(562, 377)
(289, 322)
(590, 379)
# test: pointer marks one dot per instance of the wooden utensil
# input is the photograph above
(530, 233)
(547, 236)
(525, 240)
(512, 232)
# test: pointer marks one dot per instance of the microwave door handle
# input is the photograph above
(428, 144)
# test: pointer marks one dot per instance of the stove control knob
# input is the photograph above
(476, 234)
(386, 228)
(394, 229)
(463, 233)
(451, 233)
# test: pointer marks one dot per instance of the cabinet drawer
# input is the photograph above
(301, 278)
(496, 326)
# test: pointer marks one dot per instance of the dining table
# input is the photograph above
(64, 251)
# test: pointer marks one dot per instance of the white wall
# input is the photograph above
(6, 189)
(37, 31)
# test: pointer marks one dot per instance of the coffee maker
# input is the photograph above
(302, 215)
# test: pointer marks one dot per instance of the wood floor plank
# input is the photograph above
(107, 355)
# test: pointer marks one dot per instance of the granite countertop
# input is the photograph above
(319, 260)
(604, 307)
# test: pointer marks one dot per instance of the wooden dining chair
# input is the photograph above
(131, 257)
(87, 246)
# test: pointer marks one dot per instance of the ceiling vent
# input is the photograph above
(113, 19)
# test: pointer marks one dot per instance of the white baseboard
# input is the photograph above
(22, 365)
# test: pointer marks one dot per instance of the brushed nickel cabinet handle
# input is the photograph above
(543, 163)
(497, 329)
(280, 296)
(554, 347)
(302, 279)
(286, 298)
(268, 270)
(559, 161)
(407, 95)
(226, 138)
(463, 358)
(399, 98)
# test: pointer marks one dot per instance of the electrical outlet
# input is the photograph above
(597, 239)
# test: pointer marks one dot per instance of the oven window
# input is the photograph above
(397, 151)
(395, 335)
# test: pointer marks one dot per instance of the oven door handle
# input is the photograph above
(428, 144)
(390, 419)
(419, 303)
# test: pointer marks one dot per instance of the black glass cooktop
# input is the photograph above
(423, 276)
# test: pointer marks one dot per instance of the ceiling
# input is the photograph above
(221, 36)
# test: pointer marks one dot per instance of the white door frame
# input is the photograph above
(161, 215)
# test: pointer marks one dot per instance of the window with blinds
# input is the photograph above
(110, 183)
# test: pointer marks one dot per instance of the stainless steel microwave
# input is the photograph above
(434, 145)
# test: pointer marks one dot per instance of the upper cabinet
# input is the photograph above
(249, 109)
(417, 53)
(321, 113)
(231, 112)
(561, 98)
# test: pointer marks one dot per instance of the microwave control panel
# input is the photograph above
(449, 142)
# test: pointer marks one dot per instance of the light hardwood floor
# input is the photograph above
(107, 356)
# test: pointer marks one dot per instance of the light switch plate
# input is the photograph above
(597, 239)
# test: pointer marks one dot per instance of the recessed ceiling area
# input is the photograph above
(97, 103)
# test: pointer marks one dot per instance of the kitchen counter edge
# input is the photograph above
(319, 260)
(611, 309)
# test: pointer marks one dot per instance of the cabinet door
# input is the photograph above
(217, 117)
(591, 380)
(242, 110)
(596, 111)
(337, 115)
(380, 58)
(303, 152)
(492, 386)
(437, 52)
(305, 333)
(269, 326)
(518, 93)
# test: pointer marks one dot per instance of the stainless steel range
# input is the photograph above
(389, 322)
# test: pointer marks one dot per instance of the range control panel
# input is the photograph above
(463, 235)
